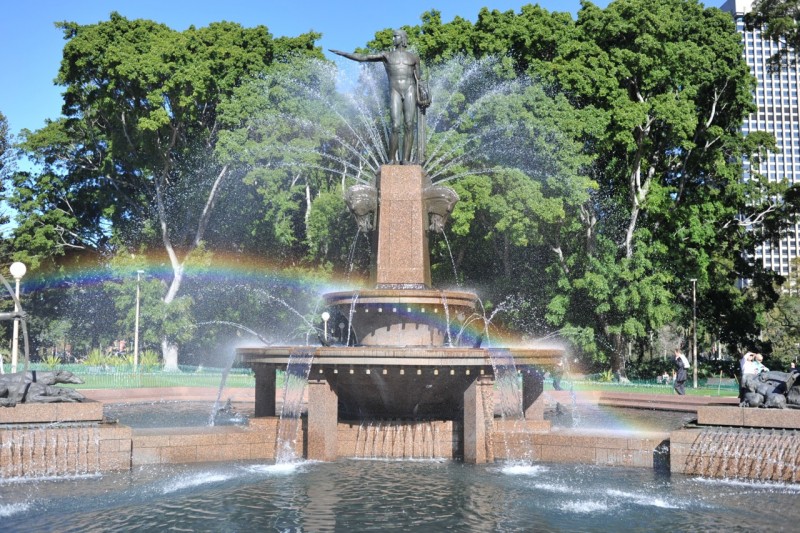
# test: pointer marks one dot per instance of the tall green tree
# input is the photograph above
(778, 20)
(5, 164)
(668, 80)
(660, 89)
(782, 323)
(134, 159)
(284, 129)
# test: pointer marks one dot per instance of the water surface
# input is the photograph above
(365, 495)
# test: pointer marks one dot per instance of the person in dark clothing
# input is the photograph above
(681, 364)
(557, 372)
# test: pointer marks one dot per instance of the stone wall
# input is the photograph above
(400, 439)
(36, 452)
(737, 453)
(29, 451)
(208, 444)
(643, 450)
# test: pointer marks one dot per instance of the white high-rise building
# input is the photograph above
(778, 113)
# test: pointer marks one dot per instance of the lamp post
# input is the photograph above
(18, 270)
(325, 317)
(136, 327)
(694, 332)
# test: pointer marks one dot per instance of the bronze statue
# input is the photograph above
(37, 387)
(405, 91)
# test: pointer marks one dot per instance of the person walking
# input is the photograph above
(681, 365)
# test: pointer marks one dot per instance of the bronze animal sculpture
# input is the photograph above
(37, 387)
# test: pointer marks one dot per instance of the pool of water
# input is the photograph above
(601, 417)
(176, 414)
(361, 495)
(583, 416)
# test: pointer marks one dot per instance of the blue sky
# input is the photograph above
(30, 45)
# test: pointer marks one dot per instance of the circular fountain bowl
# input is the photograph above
(401, 317)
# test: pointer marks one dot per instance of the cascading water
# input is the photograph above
(350, 319)
(446, 317)
(746, 453)
(42, 452)
(397, 439)
(294, 386)
(227, 369)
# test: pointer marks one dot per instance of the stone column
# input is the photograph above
(265, 390)
(322, 420)
(479, 421)
(532, 388)
(402, 255)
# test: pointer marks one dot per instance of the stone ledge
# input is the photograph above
(204, 444)
(748, 417)
(46, 413)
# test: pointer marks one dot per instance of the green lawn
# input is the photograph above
(646, 388)
(238, 377)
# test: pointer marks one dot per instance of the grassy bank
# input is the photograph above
(126, 378)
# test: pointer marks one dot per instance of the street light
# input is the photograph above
(136, 327)
(18, 270)
(694, 332)
(325, 317)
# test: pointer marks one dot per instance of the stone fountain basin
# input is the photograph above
(399, 356)
(401, 316)
(398, 382)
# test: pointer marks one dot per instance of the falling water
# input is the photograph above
(46, 451)
(508, 390)
(397, 439)
(446, 317)
(294, 386)
(746, 453)
(351, 255)
(228, 365)
(452, 259)
(350, 318)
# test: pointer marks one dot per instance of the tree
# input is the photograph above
(668, 81)
(133, 161)
(5, 162)
(659, 90)
(285, 128)
(782, 323)
(778, 20)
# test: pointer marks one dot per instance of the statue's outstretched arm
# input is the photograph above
(358, 57)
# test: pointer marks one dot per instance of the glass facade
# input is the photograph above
(778, 113)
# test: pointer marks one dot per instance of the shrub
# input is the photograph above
(51, 361)
(95, 357)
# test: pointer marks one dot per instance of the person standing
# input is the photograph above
(557, 373)
(681, 366)
(747, 365)
(404, 71)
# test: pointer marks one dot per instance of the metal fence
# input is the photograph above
(705, 387)
(126, 378)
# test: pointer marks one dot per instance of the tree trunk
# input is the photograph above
(618, 357)
(169, 351)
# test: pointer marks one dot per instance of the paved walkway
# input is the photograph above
(166, 394)
(663, 402)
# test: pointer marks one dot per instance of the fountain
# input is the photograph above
(394, 382)
(399, 362)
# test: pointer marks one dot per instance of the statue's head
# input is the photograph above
(64, 376)
(400, 37)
